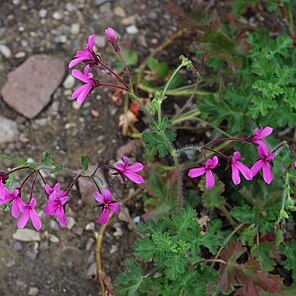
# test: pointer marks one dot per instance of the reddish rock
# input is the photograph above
(30, 86)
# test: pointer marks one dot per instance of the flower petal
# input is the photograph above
(194, 173)
(81, 98)
(36, 221)
(210, 179)
(91, 41)
(136, 167)
(77, 92)
(134, 177)
(23, 220)
(114, 207)
(107, 195)
(256, 167)
(265, 132)
(104, 217)
(61, 217)
(76, 61)
(267, 174)
(79, 75)
(246, 172)
(263, 150)
(236, 155)
(99, 197)
(235, 175)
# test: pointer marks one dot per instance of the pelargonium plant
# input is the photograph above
(158, 137)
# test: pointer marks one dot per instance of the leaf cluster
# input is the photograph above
(174, 247)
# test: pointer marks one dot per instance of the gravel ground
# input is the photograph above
(61, 262)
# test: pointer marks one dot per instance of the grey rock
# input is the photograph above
(100, 2)
(58, 15)
(42, 13)
(90, 226)
(132, 29)
(5, 51)
(100, 41)
(17, 246)
(92, 270)
(30, 86)
(75, 28)
(33, 291)
(20, 55)
(8, 131)
(71, 223)
(32, 254)
(21, 285)
(70, 7)
(69, 82)
(26, 235)
(54, 239)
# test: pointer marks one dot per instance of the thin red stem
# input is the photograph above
(115, 74)
(26, 179)
(217, 152)
(113, 85)
(72, 184)
(124, 62)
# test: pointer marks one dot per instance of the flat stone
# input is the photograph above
(100, 41)
(71, 223)
(119, 11)
(26, 235)
(9, 131)
(29, 87)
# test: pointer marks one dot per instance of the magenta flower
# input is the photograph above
(28, 211)
(56, 203)
(264, 164)
(82, 91)
(16, 201)
(86, 55)
(105, 199)
(207, 170)
(260, 134)
(130, 171)
(3, 193)
(238, 167)
(110, 33)
(294, 164)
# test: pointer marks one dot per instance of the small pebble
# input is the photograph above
(75, 28)
(42, 13)
(58, 15)
(54, 239)
(90, 226)
(71, 223)
(4, 50)
(119, 11)
(100, 41)
(33, 291)
(69, 82)
(20, 55)
(132, 29)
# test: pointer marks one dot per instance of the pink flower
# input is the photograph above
(294, 164)
(263, 163)
(3, 193)
(238, 167)
(207, 170)
(82, 91)
(105, 199)
(28, 211)
(130, 171)
(110, 33)
(14, 198)
(260, 134)
(86, 55)
(56, 203)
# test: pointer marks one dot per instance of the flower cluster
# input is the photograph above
(237, 167)
(58, 199)
(94, 62)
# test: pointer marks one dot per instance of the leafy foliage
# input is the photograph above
(154, 140)
(174, 246)
(265, 91)
(249, 274)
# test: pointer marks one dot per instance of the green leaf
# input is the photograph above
(48, 159)
(244, 213)
(263, 253)
(144, 249)
(213, 198)
(130, 283)
(289, 251)
(84, 162)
